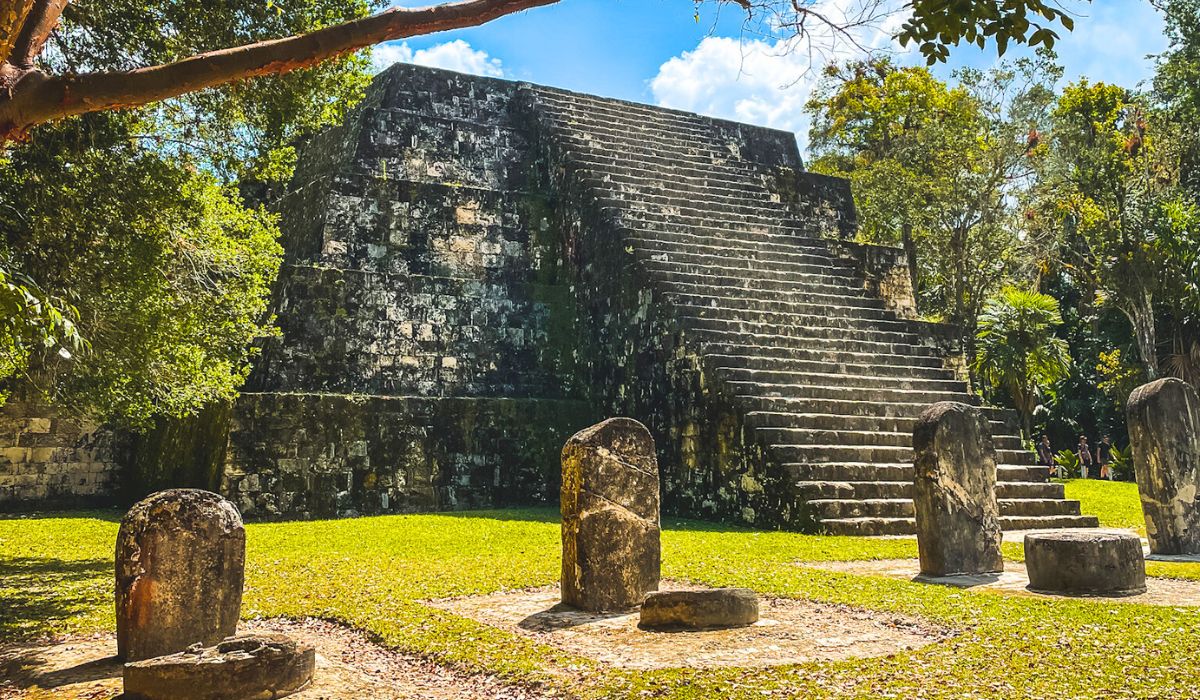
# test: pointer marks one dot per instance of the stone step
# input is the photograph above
(742, 288)
(764, 390)
(875, 454)
(840, 509)
(799, 473)
(819, 436)
(1039, 507)
(907, 526)
(803, 259)
(688, 179)
(846, 379)
(713, 300)
(1029, 489)
(691, 141)
(835, 421)
(725, 338)
(792, 320)
(1047, 522)
(782, 364)
(868, 527)
(769, 281)
(728, 263)
(674, 219)
(710, 207)
(750, 239)
(717, 320)
(626, 115)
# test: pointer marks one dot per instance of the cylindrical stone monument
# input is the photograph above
(1164, 432)
(1085, 562)
(954, 492)
(610, 521)
(180, 565)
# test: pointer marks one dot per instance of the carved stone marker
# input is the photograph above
(245, 667)
(958, 521)
(610, 526)
(1074, 561)
(180, 566)
(708, 609)
(1164, 432)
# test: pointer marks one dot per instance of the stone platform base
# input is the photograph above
(1015, 581)
(787, 632)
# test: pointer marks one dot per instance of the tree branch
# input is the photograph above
(40, 21)
(37, 98)
(12, 18)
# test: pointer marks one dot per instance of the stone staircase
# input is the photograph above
(828, 381)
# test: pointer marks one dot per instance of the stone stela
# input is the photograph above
(610, 517)
(1164, 432)
(180, 568)
(954, 493)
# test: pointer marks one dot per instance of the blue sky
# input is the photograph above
(655, 51)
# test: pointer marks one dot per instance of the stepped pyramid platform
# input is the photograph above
(475, 269)
(823, 379)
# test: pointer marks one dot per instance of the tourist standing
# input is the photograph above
(1104, 457)
(1045, 454)
(1085, 457)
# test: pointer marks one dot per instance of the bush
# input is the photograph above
(1067, 464)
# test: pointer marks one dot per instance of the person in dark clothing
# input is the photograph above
(1104, 457)
(1045, 454)
(1085, 458)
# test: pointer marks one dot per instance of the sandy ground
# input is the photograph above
(788, 632)
(1014, 579)
(349, 667)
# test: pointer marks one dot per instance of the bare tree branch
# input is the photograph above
(12, 18)
(36, 98)
(40, 21)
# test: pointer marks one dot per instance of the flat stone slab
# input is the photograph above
(788, 632)
(350, 666)
(1078, 561)
(699, 609)
(1014, 581)
(252, 666)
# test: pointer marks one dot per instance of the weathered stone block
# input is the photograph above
(610, 516)
(706, 609)
(1164, 432)
(245, 667)
(1073, 561)
(180, 565)
(958, 520)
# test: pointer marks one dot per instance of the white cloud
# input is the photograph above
(454, 55)
(764, 82)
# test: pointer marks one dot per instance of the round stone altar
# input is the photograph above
(1085, 562)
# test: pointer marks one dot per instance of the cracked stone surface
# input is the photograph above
(1164, 432)
(180, 566)
(1072, 561)
(610, 516)
(252, 666)
(954, 494)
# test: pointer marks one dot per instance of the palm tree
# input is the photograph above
(1017, 350)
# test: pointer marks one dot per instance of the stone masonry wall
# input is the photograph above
(49, 459)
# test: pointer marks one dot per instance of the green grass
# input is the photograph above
(1115, 503)
(55, 577)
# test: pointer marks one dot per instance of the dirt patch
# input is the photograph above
(788, 632)
(1013, 581)
(349, 667)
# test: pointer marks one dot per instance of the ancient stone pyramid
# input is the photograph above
(479, 241)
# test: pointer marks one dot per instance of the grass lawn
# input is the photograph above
(55, 576)
(1115, 503)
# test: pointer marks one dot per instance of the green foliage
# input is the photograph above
(374, 573)
(33, 322)
(1017, 350)
(170, 272)
(938, 166)
(1121, 465)
(1067, 463)
(1118, 378)
(243, 131)
(936, 25)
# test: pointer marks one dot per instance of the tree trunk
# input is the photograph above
(29, 97)
(1139, 308)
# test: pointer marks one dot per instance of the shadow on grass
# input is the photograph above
(551, 515)
(38, 592)
(109, 515)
